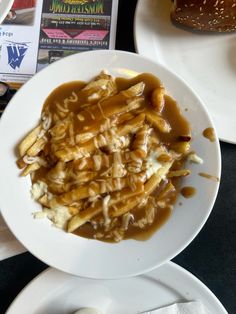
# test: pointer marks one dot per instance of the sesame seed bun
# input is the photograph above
(205, 15)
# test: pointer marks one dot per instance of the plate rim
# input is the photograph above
(199, 228)
(139, 51)
(170, 266)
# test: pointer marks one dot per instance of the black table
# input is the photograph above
(211, 256)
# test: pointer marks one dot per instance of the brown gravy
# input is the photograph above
(171, 112)
(188, 191)
(133, 232)
(136, 233)
(209, 133)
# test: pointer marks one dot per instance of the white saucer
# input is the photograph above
(55, 292)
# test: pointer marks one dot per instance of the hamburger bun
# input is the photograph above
(205, 15)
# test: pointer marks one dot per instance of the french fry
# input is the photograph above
(80, 219)
(125, 117)
(135, 90)
(126, 193)
(179, 173)
(103, 84)
(157, 121)
(87, 190)
(158, 99)
(122, 207)
(82, 176)
(167, 189)
(141, 141)
(20, 163)
(131, 126)
(43, 200)
(101, 126)
(94, 163)
(30, 168)
(73, 210)
(83, 217)
(98, 187)
(37, 147)
(181, 147)
(132, 201)
(122, 102)
(149, 187)
(77, 152)
(28, 141)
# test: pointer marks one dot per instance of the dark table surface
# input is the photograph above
(211, 256)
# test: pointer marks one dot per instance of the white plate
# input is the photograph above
(91, 258)
(5, 6)
(206, 62)
(60, 293)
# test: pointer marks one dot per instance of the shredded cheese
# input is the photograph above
(105, 209)
(193, 157)
(126, 220)
(59, 215)
(152, 164)
(38, 189)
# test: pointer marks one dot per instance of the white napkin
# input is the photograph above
(9, 246)
(181, 308)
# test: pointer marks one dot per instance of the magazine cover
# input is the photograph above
(39, 32)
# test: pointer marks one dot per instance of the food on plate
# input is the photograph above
(209, 133)
(106, 157)
(188, 191)
(209, 176)
(205, 15)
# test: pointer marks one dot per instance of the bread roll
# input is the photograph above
(205, 15)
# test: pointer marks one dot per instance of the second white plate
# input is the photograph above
(57, 292)
(206, 62)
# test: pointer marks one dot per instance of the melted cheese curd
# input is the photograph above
(105, 157)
